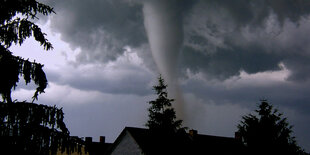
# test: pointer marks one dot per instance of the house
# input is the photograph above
(96, 148)
(138, 141)
(88, 147)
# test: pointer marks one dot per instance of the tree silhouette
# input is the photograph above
(15, 27)
(162, 116)
(268, 133)
(27, 128)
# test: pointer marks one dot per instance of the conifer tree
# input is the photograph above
(16, 25)
(268, 132)
(162, 116)
(27, 128)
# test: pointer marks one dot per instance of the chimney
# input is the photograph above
(238, 136)
(192, 132)
(102, 139)
(88, 139)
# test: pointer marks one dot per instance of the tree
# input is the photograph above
(162, 116)
(15, 27)
(27, 128)
(268, 133)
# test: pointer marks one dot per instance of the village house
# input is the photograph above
(88, 147)
(138, 141)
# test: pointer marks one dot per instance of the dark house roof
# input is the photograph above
(152, 143)
(97, 148)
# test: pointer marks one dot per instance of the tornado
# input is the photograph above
(163, 24)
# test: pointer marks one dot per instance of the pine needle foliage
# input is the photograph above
(268, 132)
(29, 128)
(162, 116)
(16, 25)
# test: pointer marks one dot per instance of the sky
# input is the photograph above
(219, 58)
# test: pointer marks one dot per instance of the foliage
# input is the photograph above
(11, 67)
(16, 30)
(27, 128)
(162, 116)
(269, 133)
(15, 27)
(33, 129)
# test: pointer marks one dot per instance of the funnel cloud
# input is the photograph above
(162, 21)
(164, 30)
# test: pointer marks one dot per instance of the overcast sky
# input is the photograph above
(220, 57)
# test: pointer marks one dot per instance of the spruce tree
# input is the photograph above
(16, 25)
(268, 132)
(162, 116)
(27, 128)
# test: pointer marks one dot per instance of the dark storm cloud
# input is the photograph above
(224, 37)
(246, 12)
(290, 95)
(227, 36)
(226, 63)
(101, 28)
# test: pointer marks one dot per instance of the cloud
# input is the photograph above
(126, 75)
(220, 37)
(248, 89)
(100, 28)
